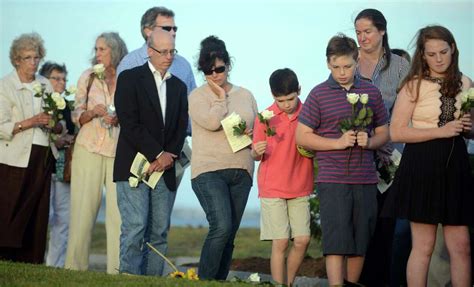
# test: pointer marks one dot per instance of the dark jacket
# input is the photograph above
(141, 123)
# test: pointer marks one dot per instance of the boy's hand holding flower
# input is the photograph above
(347, 140)
(264, 117)
(363, 139)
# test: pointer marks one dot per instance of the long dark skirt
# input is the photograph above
(24, 207)
(433, 184)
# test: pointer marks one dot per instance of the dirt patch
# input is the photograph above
(311, 267)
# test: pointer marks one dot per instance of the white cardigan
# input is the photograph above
(14, 100)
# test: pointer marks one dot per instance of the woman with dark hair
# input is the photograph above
(432, 185)
(94, 154)
(220, 178)
(60, 189)
(385, 70)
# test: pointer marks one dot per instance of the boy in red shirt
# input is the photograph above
(285, 178)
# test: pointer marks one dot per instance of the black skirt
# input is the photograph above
(433, 184)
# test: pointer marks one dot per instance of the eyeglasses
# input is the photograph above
(31, 59)
(165, 53)
(168, 28)
(58, 79)
(218, 70)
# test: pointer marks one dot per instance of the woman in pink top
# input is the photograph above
(221, 179)
(285, 179)
(94, 153)
(433, 183)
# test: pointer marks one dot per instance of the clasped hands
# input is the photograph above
(350, 138)
(162, 163)
(100, 110)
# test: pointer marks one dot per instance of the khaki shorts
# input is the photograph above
(284, 218)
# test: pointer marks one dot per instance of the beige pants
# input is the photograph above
(90, 173)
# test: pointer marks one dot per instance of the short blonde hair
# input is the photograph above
(26, 42)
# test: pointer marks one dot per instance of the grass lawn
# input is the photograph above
(183, 241)
(17, 274)
(187, 241)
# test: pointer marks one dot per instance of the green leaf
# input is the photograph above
(357, 122)
(362, 114)
(370, 113)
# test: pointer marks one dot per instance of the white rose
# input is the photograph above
(72, 89)
(234, 119)
(352, 98)
(56, 96)
(37, 87)
(254, 277)
(60, 103)
(464, 96)
(98, 69)
(133, 181)
(364, 99)
(266, 114)
(471, 94)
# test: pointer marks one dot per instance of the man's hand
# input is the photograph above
(162, 163)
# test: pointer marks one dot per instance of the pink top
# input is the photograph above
(428, 105)
(94, 136)
(283, 172)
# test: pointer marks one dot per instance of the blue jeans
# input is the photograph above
(145, 216)
(223, 195)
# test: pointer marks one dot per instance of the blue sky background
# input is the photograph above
(261, 36)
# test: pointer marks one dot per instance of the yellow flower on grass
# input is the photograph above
(177, 274)
(191, 274)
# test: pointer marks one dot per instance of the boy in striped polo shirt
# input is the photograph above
(347, 177)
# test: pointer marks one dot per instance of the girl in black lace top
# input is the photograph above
(433, 183)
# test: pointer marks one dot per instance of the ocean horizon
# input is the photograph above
(195, 217)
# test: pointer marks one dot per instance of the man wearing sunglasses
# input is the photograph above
(159, 18)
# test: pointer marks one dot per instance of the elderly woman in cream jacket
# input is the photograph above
(25, 159)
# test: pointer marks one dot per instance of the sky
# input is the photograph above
(261, 36)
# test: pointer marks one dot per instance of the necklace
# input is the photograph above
(434, 79)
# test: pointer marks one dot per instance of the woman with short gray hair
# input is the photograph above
(25, 160)
(94, 154)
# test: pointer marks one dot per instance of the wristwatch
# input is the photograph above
(20, 127)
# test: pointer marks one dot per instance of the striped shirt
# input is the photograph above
(325, 107)
(389, 79)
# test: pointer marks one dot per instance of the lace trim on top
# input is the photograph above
(447, 110)
(447, 104)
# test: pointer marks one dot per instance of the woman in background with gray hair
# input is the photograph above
(94, 153)
(25, 160)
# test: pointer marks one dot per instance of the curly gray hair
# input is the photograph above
(26, 42)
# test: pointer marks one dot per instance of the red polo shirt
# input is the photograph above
(283, 172)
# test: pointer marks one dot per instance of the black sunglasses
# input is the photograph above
(168, 28)
(218, 70)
